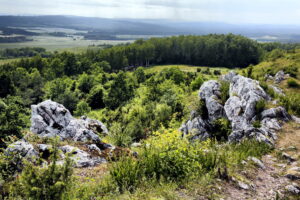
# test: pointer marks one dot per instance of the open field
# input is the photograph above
(185, 68)
(52, 43)
(5, 61)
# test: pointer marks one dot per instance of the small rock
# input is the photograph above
(296, 119)
(136, 144)
(288, 157)
(291, 148)
(243, 186)
(257, 162)
(244, 162)
(293, 189)
(280, 76)
(293, 173)
(93, 147)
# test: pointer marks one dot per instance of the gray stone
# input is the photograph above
(136, 144)
(278, 113)
(210, 93)
(228, 77)
(296, 119)
(280, 76)
(22, 148)
(81, 158)
(257, 162)
(94, 148)
(277, 90)
(293, 189)
(288, 157)
(50, 119)
(243, 186)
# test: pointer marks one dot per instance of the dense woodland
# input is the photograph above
(133, 104)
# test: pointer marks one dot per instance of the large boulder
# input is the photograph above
(50, 119)
(210, 93)
(249, 92)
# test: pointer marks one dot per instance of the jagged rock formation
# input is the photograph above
(50, 119)
(239, 109)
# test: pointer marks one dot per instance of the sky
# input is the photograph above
(229, 11)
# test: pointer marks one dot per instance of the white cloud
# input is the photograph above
(232, 11)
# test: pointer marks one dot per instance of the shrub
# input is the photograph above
(198, 70)
(51, 182)
(256, 124)
(118, 135)
(95, 97)
(82, 108)
(291, 70)
(221, 128)
(291, 103)
(217, 72)
(270, 91)
(13, 118)
(126, 174)
(196, 84)
(224, 91)
(202, 109)
(260, 106)
(206, 71)
(292, 83)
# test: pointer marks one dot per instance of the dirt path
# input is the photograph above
(270, 183)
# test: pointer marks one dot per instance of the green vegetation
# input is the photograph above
(292, 83)
(51, 182)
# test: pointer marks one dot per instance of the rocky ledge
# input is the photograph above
(239, 109)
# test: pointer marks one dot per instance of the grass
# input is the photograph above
(185, 68)
(5, 61)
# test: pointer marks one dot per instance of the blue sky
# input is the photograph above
(230, 11)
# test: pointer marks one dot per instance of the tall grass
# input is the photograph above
(168, 157)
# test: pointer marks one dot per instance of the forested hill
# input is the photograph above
(27, 77)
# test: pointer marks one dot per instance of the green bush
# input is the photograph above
(95, 97)
(291, 103)
(291, 70)
(196, 84)
(13, 119)
(260, 106)
(118, 136)
(292, 83)
(47, 183)
(270, 91)
(202, 109)
(221, 129)
(256, 124)
(217, 72)
(82, 108)
(224, 91)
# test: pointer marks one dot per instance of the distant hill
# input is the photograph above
(283, 33)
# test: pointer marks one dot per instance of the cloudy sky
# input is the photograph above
(231, 11)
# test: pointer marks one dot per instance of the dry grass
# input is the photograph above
(289, 136)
